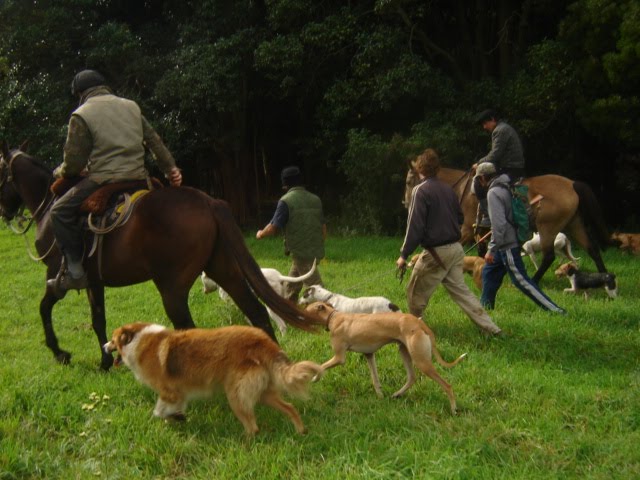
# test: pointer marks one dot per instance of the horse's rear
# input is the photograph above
(566, 206)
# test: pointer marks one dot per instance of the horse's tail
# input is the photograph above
(592, 215)
(231, 235)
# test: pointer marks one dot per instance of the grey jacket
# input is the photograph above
(503, 236)
(506, 148)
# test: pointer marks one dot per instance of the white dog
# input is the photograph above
(276, 280)
(561, 246)
(341, 303)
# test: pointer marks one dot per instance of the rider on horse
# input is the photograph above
(105, 143)
(506, 155)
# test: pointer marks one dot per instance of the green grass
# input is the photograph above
(557, 398)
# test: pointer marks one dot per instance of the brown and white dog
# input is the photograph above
(473, 266)
(181, 365)
(584, 281)
(367, 333)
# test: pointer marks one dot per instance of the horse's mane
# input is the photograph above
(34, 161)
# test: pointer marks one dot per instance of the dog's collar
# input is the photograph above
(329, 319)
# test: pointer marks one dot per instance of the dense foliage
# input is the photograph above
(348, 90)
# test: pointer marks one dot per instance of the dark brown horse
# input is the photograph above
(567, 206)
(174, 234)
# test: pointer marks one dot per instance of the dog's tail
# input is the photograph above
(301, 278)
(293, 378)
(436, 352)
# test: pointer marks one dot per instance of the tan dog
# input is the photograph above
(366, 333)
(628, 242)
(181, 365)
(473, 266)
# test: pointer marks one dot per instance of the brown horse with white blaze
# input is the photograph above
(173, 234)
(565, 206)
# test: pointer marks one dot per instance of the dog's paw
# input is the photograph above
(177, 417)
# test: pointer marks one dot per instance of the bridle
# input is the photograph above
(467, 177)
(6, 178)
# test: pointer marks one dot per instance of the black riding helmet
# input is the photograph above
(485, 115)
(86, 79)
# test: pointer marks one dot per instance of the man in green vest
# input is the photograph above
(299, 215)
(105, 143)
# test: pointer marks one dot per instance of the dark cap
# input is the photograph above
(86, 79)
(291, 176)
(486, 115)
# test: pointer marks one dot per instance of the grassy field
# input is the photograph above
(559, 397)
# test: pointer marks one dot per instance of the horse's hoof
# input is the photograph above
(106, 363)
(63, 357)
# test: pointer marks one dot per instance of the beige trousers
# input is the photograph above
(427, 275)
(300, 267)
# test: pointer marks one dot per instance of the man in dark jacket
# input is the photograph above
(434, 223)
(506, 155)
(506, 148)
(106, 140)
(503, 255)
(299, 215)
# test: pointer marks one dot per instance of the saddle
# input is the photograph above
(107, 195)
(112, 204)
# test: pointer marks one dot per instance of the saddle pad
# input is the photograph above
(135, 196)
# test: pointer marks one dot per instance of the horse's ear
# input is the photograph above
(24, 145)
(5, 149)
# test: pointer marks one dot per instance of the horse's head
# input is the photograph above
(10, 199)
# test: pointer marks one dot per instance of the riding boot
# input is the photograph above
(73, 277)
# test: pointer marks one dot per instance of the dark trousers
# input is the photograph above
(510, 261)
(67, 220)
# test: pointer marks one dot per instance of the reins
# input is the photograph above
(466, 174)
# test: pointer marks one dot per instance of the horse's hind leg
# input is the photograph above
(244, 297)
(99, 323)
(548, 253)
(580, 235)
(176, 304)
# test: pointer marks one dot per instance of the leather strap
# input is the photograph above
(436, 257)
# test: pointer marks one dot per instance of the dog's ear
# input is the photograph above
(125, 337)
(316, 307)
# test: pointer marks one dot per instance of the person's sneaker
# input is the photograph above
(64, 281)
(489, 335)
